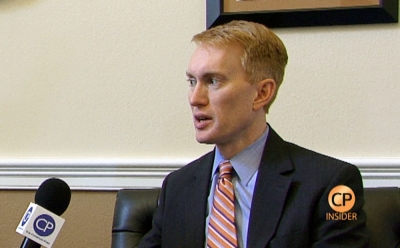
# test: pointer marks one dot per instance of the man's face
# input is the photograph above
(220, 96)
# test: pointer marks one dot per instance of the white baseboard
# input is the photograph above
(114, 174)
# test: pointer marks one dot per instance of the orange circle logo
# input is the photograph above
(341, 198)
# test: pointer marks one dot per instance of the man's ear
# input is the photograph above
(266, 90)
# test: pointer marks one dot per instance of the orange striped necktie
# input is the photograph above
(221, 228)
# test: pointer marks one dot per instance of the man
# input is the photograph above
(278, 193)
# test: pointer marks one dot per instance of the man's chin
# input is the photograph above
(204, 140)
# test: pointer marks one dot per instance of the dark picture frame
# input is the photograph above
(366, 12)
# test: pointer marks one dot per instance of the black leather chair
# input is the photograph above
(382, 206)
(133, 216)
(134, 210)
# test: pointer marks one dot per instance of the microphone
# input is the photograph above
(41, 222)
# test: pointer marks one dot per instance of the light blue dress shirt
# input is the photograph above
(246, 165)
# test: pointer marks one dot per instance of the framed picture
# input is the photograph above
(302, 13)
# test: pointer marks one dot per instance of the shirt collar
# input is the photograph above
(247, 161)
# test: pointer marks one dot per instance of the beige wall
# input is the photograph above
(88, 219)
(86, 79)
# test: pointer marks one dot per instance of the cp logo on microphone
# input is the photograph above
(27, 216)
(44, 225)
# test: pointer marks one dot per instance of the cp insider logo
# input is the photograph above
(44, 225)
(341, 199)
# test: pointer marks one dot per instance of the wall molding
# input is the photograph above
(114, 174)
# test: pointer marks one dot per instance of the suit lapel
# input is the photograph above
(194, 200)
(273, 182)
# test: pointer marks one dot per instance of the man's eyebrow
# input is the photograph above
(207, 75)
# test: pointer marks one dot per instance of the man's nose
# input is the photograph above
(198, 95)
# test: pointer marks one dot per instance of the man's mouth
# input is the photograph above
(201, 121)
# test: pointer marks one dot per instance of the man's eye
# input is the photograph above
(214, 81)
(192, 81)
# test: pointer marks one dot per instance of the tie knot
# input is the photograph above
(225, 170)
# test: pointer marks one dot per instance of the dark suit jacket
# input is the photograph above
(289, 204)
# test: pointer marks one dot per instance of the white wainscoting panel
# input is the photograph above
(114, 174)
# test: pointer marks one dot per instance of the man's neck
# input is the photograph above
(231, 149)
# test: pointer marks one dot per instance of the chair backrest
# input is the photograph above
(382, 206)
(134, 209)
(133, 214)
